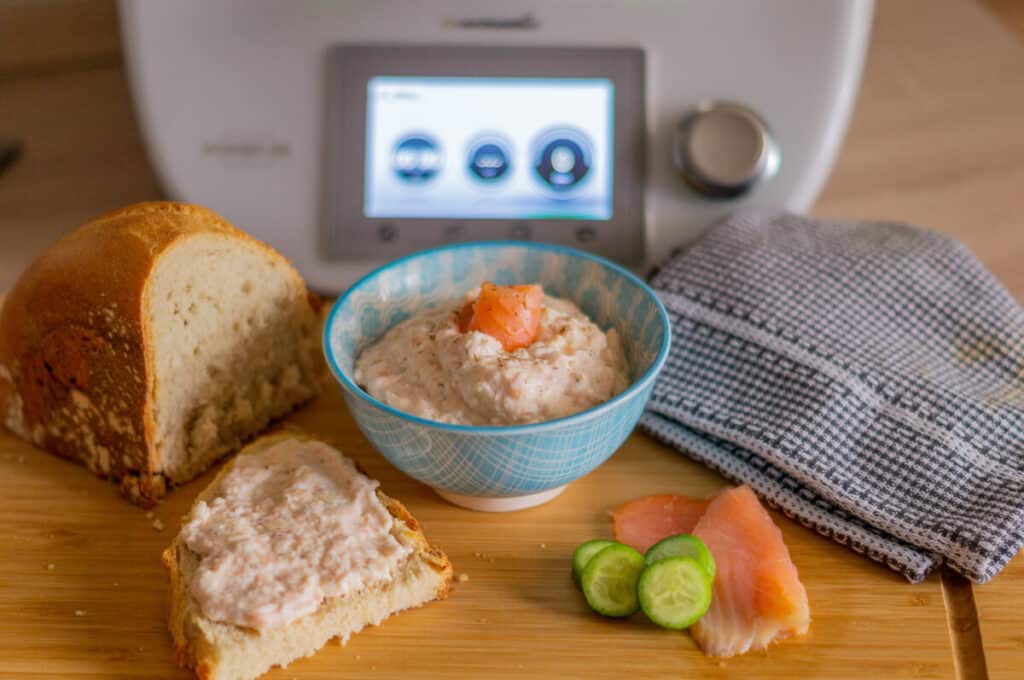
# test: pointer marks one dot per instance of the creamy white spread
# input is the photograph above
(427, 367)
(288, 527)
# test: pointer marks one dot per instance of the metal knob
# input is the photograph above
(724, 149)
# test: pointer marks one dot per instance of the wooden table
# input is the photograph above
(937, 139)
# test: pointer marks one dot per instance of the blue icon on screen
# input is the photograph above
(417, 158)
(562, 158)
(489, 158)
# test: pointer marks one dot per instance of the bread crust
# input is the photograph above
(76, 363)
(193, 650)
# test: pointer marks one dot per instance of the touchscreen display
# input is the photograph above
(489, 147)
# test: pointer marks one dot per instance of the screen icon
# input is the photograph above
(417, 158)
(562, 158)
(489, 158)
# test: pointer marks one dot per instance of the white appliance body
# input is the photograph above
(231, 95)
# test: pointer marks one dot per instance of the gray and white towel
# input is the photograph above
(865, 378)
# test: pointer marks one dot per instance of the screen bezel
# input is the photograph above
(350, 235)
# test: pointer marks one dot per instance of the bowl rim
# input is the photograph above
(630, 392)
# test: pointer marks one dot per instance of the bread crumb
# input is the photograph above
(116, 584)
(79, 612)
(149, 515)
(51, 566)
(158, 525)
(462, 578)
(543, 545)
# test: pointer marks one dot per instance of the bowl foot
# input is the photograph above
(501, 503)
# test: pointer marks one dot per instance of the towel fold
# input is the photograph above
(865, 378)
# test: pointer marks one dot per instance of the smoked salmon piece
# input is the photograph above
(645, 521)
(509, 314)
(757, 597)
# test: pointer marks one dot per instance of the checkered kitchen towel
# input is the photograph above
(865, 378)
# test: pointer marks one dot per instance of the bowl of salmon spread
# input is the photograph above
(497, 372)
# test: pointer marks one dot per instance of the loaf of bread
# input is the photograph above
(153, 340)
(218, 650)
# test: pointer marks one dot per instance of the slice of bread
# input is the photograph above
(153, 340)
(222, 651)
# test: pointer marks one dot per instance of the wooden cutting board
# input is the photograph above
(82, 590)
(999, 614)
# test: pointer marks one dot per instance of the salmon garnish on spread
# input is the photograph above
(509, 314)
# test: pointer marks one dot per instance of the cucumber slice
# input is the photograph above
(683, 545)
(581, 556)
(609, 580)
(674, 592)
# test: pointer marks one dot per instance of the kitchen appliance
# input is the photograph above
(350, 133)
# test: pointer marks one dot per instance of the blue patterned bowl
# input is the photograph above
(498, 468)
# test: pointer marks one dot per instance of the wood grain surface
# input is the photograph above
(49, 36)
(518, 615)
(937, 139)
